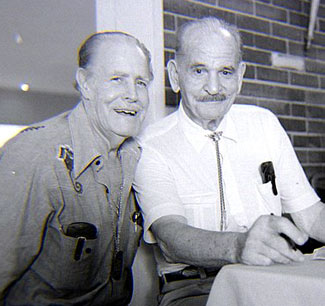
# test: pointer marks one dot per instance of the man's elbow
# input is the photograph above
(167, 230)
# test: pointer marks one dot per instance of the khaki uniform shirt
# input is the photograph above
(53, 174)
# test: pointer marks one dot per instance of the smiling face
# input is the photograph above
(208, 75)
(115, 87)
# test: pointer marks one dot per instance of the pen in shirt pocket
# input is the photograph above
(287, 239)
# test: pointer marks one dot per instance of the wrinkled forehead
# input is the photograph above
(216, 43)
(119, 53)
(117, 46)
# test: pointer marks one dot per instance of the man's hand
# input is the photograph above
(264, 245)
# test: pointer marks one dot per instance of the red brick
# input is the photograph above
(320, 54)
(170, 40)
(312, 170)
(315, 66)
(168, 55)
(269, 43)
(316, 112)
(293, 124)
(245, 6)
(316, 156)
(303, 79)
(316, 126)
(307, 141)
(321, 12)
(271, 91)
(289, 4)
(250, 72)
(298, 110)
(256, 56)
(315, 97)
(298, 48)
(271, 12)
(298, 19)
(319, 39)
(196, 10)
(169, 22)
(247, 38)
(171, 98)
(254, 24)
(290, 32)
(245, 100)
(277, 107)
(270, 74)
(181, 20)
(306, 8)
(321, 25)
(312, 52)
(322, 82)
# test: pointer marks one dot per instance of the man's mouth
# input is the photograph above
(126, 111)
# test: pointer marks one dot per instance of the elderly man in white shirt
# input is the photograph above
(204, 194)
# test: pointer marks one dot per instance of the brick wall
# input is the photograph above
(270, 28)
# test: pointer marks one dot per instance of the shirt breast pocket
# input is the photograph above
(269, 201)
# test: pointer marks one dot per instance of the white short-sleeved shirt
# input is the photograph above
(177, 173)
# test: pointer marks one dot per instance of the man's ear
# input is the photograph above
(81, 78)
(241, 72)
(173, 75)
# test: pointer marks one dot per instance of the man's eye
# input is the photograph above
(227, 72)
(116, 79)
(198, 71)
(141, 83)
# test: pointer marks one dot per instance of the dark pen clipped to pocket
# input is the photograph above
(82, 231)
(268, 175)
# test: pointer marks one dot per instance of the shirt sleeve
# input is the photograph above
(155, 190)
(294, 188)
(24, 212)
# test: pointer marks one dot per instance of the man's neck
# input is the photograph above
(211, 125)
(109, 142)
(207, 124)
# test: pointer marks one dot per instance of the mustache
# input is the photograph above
(212, 98)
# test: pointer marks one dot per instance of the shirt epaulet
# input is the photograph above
(32, 128)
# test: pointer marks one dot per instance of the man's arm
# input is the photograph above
(261, 245)
(22, 214)
(312, 221)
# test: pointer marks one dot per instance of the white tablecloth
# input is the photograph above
(297, 284)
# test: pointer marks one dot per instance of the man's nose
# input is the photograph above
(213, 83)
(131, 94)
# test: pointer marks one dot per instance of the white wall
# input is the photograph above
(8, 131)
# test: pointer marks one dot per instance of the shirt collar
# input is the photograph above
(85, 148)
(197, 135)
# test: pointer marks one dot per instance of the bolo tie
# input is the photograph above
(216, 136)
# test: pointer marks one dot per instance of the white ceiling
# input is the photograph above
(51, 32)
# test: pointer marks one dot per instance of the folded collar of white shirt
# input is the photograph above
(197, 135)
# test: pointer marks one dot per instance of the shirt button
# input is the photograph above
(88, 250)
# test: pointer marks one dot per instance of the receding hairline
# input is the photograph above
(206, 24)
(87, 48)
